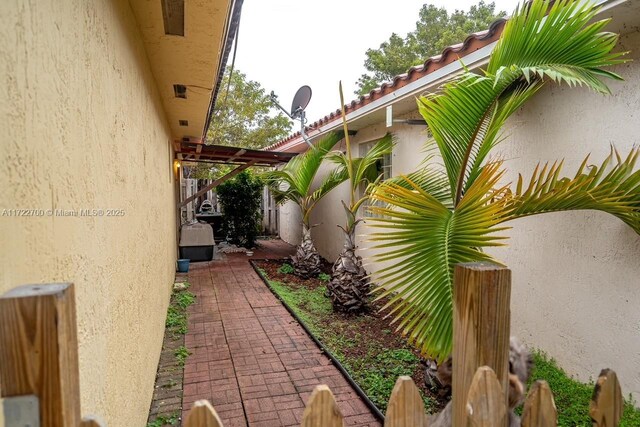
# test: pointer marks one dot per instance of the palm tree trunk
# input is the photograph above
(349, 284)
(306, 261)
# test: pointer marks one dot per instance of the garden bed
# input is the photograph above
(374, 355)
(369, 349)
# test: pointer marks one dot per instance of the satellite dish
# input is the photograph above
(300, 101)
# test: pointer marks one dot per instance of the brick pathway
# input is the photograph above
(251, 359)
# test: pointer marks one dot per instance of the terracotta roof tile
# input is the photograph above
(449, 54)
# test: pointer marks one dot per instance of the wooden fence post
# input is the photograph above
(606, 403)
(481, 316)
(39, 350)
(405, 408)
(485, 404)
(322, 409)
(539, 407)
(202, 414)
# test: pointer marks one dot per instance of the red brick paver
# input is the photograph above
(251, 359)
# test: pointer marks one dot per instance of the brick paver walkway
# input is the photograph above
(251, 359)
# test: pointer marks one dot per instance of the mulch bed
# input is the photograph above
(370, 330)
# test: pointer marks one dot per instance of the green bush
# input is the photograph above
(240, 199)
(286, 269)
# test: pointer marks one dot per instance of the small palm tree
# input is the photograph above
(294, 183)
(349, 284)
(440, 216)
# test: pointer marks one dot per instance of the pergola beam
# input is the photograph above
(216, 183)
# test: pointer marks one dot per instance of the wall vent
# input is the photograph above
(173, 15)
(180, 91)
(183, 122)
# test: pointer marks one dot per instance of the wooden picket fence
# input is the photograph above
(39, 361)
(485, 405)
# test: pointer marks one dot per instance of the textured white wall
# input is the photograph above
(290, 223)
(407, 155)
(84, 129)
(576, 276)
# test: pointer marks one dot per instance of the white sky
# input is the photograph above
(284, 44)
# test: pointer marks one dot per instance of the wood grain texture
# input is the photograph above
(39, 350)
(539, 407)
(485, 405)
(322, 410)
(606, 404)
(202, 414)
(481, 327)
(405, 408)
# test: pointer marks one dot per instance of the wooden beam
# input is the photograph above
(481, 316)
(237, 163)
(224, 159)
(216, 183)
(198, 150)
(239, 153)
(39, 350)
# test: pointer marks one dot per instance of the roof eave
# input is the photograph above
(232, 29)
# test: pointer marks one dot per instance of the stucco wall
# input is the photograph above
(406, 156)
(576, 288)
(290, 223)
(84, 129)
(576, 276)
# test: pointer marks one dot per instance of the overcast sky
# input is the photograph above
(284, 44)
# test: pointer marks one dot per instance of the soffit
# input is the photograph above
(192, 60)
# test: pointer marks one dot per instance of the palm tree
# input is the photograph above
(348, 287)
(440, 216)
(294, 183)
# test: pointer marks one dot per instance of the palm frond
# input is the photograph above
(305, 166)
(336, 177)
(614, 189)
(425, 239)
(556, 39)
(282, 185)
(429, 179)
(365, 170)
(540, 43)
(293, 182)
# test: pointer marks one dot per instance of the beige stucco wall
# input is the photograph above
(576, 276)
(83, 128)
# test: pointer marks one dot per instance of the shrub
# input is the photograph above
(286, 269)
(240, 200)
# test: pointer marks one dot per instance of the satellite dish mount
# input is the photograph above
(300, 102)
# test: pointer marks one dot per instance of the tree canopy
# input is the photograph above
(243, 115)
(435, 30)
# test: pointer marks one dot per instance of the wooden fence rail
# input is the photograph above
(39, 361)
(484, 404)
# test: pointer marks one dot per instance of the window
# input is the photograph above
(383, 168)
